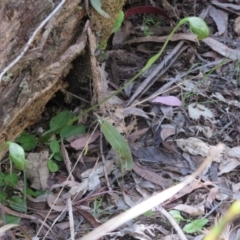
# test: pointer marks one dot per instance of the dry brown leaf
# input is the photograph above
(193, 146)
(167, 131)
(222, 49)
(220, 18)
(194, 211)
(81, 142)
(237, 25)
(151, 176)
(37, 170)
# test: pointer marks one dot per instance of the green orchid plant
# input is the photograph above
(197, 26)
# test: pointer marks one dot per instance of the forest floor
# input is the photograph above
(166, 123)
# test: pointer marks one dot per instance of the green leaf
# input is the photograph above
(69, 131)
(149, 213)
(17, 155)
(52, 166)
(11, 180)
(118, 22)
(10, 219)
(3, 197)
(56, 123)
(60, 120)
(195, 226)
(27, 141)
(58, 156)
(97, 5)
(18, 204)
(2, 176)
(119, 145)
(54, 146)
(176, 215)
(35, 193)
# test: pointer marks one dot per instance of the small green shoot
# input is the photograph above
(27, 141)
(56, 124)
(149, 213)
(96, 206)
(177, 216)
(195, 226)
(118, 22)
(119, 145)
(97, 5)
(17, 157)
(149, 23)
(56, 154)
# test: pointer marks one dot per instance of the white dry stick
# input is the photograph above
(149, 203)
(71, 221)
(173, 222)
(31, 39)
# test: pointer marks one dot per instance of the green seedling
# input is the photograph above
(149, 23)
(62, 124)
(149, 213)
(97, 211)
(118, 22)
(177, 216)
(119, 145)
(27, 141)
(195, 226)
(97, 5)
(56, 154)
(17, 157)
(96, 206)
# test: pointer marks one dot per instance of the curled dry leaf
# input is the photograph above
(193, 146)
(207, 132)
(193, 211)
(167, 131)
(197, 110)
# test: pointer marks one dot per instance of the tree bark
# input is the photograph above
(28, 86)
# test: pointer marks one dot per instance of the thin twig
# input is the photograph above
(31, 39)
(71, 221)
(173, 222)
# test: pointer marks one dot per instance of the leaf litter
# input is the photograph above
(170, 119)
